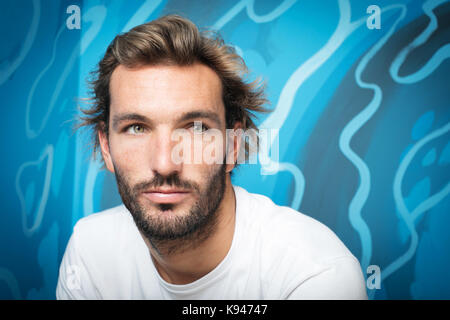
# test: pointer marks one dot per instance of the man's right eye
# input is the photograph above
(135, 129)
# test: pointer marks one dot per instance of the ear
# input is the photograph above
(104, 146)
(233, 147)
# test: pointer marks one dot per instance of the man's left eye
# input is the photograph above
(199, 127)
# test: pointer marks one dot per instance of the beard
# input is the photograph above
(166, 230)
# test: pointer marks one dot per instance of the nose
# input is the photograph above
(161, 157)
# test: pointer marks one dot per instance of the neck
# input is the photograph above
(199, 257)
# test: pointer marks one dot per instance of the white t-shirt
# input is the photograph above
(276, 253)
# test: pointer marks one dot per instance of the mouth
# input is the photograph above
(162, 196)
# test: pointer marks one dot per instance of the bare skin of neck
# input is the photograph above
(186, 266)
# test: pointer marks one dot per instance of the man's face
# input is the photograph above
(168, 199)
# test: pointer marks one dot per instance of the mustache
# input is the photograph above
(172, 180)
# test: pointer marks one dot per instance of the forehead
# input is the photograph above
(163, 92)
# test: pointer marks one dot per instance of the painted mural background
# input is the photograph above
(363, 117)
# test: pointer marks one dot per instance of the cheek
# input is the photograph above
(206, 156)
(199, 173)
(199, 149)
(128, 155)
(214, 149)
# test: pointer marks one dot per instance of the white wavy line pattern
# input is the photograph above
(410, 217)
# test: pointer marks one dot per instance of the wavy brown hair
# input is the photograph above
(174, 40)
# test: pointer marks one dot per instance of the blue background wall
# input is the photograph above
(364, 121)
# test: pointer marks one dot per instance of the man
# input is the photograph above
(184, 231)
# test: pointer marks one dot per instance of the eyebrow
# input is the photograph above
(124, 117)
(201, 114)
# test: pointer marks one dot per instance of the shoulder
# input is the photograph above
(103, 221)
(104, 231)
(284, 226)
(89, 254)
(298, 251)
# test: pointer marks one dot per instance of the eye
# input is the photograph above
(199, 127)
(135, 129)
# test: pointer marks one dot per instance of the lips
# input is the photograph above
(166, 195)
